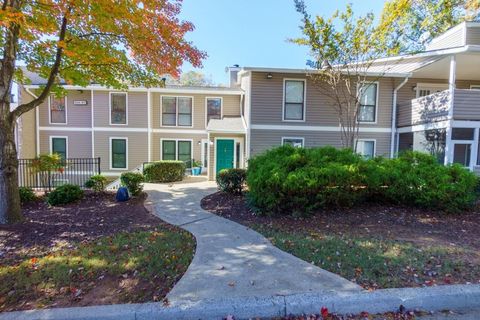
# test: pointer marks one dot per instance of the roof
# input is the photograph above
(227, 124)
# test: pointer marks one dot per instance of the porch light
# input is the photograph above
(269, 76)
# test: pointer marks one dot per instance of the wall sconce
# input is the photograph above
(414, 88)
(269, 76)
(80, 91)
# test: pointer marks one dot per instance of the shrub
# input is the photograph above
(65, 194)
(299, 181)
(26, 195)
(97, 183)
(133, 182)
(164, 171)
(231, 180)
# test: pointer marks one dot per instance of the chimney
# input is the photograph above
(233, 75)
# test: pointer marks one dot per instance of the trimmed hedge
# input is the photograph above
(65, 194)
(231, 180)
(299, 181)
(97, 183)
(164, 171)
(133, 182)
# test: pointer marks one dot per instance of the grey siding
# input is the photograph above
(466, 105)
(267, 102)
(77, 115)
(425, 109)
(473, 36)
(137, 109)
(262, 140)
(79, 143)
(454, 39)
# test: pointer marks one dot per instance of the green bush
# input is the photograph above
(164, 171)
(299, 181)
(26, 195)
(231, 180)
(65, 194)
(133, 182)
(97, 183)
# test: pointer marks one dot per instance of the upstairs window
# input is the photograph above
(214, 109)
(118, 108)
(58, 110)
(368, 102)
(366, 148)
(177, 111)
(294, 100)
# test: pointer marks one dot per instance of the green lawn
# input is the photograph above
(151, 262)
(371, 262)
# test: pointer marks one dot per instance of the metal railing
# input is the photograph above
(74, 171)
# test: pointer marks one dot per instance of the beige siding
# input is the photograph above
(77, 115)
(267, 102)
(79, 143)
(466, 105)
(26, 129)
(263, 140)
(473, 36)
(231, 107)
(137, 110)
(137, 148)
(157, 149)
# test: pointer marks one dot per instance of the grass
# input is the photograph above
(370, 262)
(157, 259)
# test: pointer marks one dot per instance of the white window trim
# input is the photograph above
(298, 138)
(204, 156)
(59, 137)
(110, 108)
(176, 147)
(206, 108)
(110, 153)
(304, 99)
(376, 101)
(50, 112)
(429, 86)
(235, 141)
(176, 111)
(367, 140)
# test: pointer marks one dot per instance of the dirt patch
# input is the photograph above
(47, 228)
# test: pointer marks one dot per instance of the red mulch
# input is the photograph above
(45, 228)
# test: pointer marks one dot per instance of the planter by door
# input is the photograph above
(225, 154)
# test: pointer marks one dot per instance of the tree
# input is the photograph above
(112, 43)
(192, 79)
(414, 23)
(343, 50)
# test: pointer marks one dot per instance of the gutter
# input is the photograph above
(394, 117)
(37, 122)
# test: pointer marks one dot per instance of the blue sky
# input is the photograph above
(255, 32)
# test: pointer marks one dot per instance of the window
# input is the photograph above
(475, 87)
(59, 146)
(58, 110)
(118, 108)
(368, 102)
(180, 150)
(462, 153)
(214, 108)
(119, 153)
(177, 111)
(463, 133)
(294, 100)
(294, 142)
(366, 148)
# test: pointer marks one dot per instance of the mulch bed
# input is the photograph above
(386, 222)
(48, 228)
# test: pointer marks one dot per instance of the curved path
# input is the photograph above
(232, 260)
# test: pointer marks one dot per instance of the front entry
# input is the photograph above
(225, 154)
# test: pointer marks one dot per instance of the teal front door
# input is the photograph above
(224, 154)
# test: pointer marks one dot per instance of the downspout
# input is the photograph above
(37, 124)
(394, 117)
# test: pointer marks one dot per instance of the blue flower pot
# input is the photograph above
(196, 171)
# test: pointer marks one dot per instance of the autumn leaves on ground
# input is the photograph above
(93, 252)
(376, 246)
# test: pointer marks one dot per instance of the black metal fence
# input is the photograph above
(74, 171)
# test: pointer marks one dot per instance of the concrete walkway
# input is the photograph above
(232, 260)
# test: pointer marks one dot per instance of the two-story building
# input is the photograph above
(427, 101)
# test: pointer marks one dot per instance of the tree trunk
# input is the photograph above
(10, 210)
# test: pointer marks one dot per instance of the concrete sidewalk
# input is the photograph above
(232, 260)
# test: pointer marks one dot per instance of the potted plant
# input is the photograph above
(196, 168)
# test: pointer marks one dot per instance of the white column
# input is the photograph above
(149, 125)
(451, 83)
(448, 144)
(473, 157)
